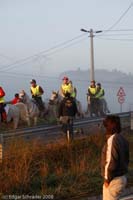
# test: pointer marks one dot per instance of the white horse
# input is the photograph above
(17, 112)
(31, 106)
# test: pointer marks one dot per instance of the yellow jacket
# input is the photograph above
(66, 88)
(35, 91)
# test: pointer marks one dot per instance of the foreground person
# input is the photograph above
(115, 159)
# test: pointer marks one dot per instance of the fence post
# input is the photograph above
(1, 148)
(131, 125)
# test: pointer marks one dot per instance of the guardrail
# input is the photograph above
(47, 130)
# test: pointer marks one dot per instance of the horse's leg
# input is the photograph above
(28, 121)
(35, 121)
(15, 122)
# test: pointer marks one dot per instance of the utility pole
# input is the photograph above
(92, 71)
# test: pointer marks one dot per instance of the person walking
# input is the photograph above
(67, 111)
(114, 159)
(37, 93)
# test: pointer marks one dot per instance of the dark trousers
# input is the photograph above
(68, 126)
(2, 111)
(2, 108)
(39, 103)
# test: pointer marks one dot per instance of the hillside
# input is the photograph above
(101, 75)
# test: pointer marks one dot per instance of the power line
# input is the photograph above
(42, 52)
(119, 30)
(120, 18)
(117, 39)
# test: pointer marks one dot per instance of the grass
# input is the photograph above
(62, 170)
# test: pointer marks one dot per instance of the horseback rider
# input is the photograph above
(92, 91)
(67, 111)
(37, 92)
(66, 87)
(100, 96)
(16, 99)
(103, 107)
(2, 105)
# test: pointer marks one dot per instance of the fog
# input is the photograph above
(14, 83)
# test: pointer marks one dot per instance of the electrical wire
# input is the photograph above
(41, 52)
(120, 18)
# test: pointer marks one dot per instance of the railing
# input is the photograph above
(47, 131)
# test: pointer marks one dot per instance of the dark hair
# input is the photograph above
(16, 95)
(114, 119)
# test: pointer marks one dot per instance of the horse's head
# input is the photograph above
(54, 99)
(54, 96)
(23, 96)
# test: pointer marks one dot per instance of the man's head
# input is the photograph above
(93, 83)
(99, 85)
(16, 95)
(33, 82)
(112, 124)
(65, 79)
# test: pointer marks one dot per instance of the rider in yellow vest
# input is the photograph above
(100, 97)
(100, 91)
(65, 87)
(2, 105)
(37, 92)
(92, 91)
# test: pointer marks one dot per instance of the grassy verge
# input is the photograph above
(62, 170)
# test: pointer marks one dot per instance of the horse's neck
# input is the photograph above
(28, 102)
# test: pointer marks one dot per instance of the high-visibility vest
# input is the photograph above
(35, 91)
(2, 100)
(73, 94)
(100, 94)
(92, 90)
(66, 88)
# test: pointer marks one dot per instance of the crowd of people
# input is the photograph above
(115, 153)
(95, 96)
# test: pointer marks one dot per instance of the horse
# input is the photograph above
(97, 108)
(33, 109)
(17, 112)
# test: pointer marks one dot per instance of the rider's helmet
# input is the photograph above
(32, 81)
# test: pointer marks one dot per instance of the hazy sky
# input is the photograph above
(29, 27)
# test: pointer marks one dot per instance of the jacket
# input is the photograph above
(115, 157)
(68, 107)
